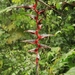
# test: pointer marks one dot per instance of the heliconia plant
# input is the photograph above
(36, 32)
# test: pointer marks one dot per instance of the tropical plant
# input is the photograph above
(58, 19)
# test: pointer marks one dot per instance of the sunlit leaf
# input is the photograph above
(57, 33)
(71, 71)
(17, 1)
(58, 5)
(14, 36)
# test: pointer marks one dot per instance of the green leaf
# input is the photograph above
(7, 71)
(17, 1)
(58, 5)
(71, 71)
(1, 32)
(57, 33)
(55, 49)
(1, 64)
(7, 9)
(66, 8)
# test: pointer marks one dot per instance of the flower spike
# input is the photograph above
(36, 32)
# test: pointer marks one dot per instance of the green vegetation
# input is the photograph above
(58, 19)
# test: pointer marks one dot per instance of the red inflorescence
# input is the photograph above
(36, 32)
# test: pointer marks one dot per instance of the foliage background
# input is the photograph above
(14, 56)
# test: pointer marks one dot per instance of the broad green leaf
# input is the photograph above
(71, 71)
(14, 36)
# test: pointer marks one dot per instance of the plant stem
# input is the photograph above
(37, 69)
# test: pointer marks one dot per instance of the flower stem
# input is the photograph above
(37, 69)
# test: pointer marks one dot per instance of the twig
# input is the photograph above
(50, 7)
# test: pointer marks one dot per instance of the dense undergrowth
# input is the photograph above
(59, 20)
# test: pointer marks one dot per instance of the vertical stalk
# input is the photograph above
(37, 69)
(36, 32)
(37, 59)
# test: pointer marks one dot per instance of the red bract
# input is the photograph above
(31, 7)
(33, 41)
(31, 31)
(29, 41)
(35, 50)
(32, 16)
(38, 21)
(34, 7)
(44, 36)
(39, 26)
(41, 12)
(44, 46)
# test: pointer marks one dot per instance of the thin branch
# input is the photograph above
(50, 7)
